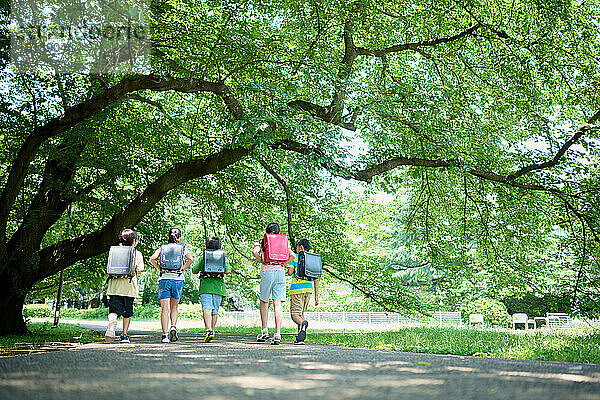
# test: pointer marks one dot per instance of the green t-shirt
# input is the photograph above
(210, 285)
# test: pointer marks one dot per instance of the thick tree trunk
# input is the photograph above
(13, 290)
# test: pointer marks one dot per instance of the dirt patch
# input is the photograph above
(25, 349)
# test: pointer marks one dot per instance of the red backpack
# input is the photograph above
(275, 248)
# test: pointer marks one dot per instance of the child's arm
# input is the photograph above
(291, 256)
(189, 261)
(292, 266)
(227, 268)
(316, 282)
(256, 252)
(197, 267)
(154, 257)
(139, 262)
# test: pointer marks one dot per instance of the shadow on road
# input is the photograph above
(235, 366)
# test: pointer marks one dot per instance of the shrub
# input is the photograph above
(37, 311)
(149, 312)
(536, 306)
(494, 311)
(190, 311)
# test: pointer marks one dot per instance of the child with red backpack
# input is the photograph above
(273, 252)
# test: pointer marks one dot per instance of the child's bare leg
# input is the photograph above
(206, 315)
(165, 310)
(174, 311)
(297, 319)
(214, 320)
(126, 322)
(264, 313)
(277, 306)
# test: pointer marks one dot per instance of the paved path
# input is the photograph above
(234, 366)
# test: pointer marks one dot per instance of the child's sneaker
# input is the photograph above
(297, 342)
(302, 332)
(109, 336)
(209, 336)
(262, 337)
(173, 334)
(125, 339)
(165, 339)
(276, 339)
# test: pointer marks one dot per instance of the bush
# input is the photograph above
(535, 306)
(494, 311)
(149, 312)
(37, 311)
(190, 311)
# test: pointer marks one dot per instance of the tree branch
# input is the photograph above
(561, 152)
(367, 175)
(62, 254)
(374, 297)
(415, 45)
(333, 113)
(288, 199)
(73, 115)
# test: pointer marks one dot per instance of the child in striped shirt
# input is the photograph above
(300, 293)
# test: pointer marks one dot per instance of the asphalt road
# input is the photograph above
(234, 366)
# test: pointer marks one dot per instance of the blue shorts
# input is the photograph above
(170, 288)
(272, 285)
(211, 301)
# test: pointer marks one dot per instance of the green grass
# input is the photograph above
(40, 333)
(140, 313)
(500, 343)
(240, 329)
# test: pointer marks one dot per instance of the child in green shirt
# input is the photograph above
(212, 290)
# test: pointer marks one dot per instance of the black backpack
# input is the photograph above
(121, 262)
(214, 264)
(309, 266)
(171, 257)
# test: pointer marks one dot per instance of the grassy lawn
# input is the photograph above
(42, 337)
(533, 345)
(240, 329)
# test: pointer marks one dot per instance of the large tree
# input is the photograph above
(487, 97)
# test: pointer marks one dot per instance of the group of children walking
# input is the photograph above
(172, 259)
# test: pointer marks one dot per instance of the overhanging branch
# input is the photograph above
(288, 198)
(561, 152)
(62, 254)
(415, 45)
(76, 114)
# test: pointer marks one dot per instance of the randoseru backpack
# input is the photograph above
(214, 264)
(275, 248)
(309, 266)
(171, 257)
(121, 262)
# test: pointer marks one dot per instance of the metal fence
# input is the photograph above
(386, 320)
(344, 319)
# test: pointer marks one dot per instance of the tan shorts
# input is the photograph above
(299, 303)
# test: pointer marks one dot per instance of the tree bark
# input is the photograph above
(13, 290)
